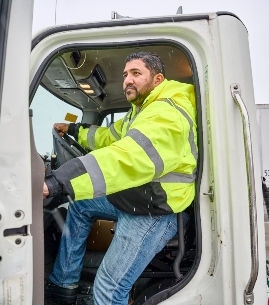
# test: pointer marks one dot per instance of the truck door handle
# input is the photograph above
(248, 293)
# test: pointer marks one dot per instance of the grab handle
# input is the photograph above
(248, 293)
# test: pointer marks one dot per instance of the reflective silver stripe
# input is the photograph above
(126, 118)
(149, 149)
(176, 177)
(96, 175)
(114, 132)
(130, 122)
(191, 133)
(133, 118)
(91, 135)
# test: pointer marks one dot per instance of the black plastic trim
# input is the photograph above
(224, 13)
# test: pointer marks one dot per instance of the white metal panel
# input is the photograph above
(233, 185)
(15, 164)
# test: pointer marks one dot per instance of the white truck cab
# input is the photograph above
(221, 259)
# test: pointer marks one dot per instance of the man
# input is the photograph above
(140, 173)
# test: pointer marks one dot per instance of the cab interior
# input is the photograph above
(83, 83)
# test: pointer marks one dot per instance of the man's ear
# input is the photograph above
(158, 78)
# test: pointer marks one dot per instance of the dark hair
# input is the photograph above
(152, 61)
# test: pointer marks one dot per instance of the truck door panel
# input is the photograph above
(15, 166)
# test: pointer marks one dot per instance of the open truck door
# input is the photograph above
(16, 240)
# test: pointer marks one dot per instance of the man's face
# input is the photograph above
(137, 82)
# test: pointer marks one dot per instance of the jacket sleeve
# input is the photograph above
(95, 137)
(54, 186)
(73, 129)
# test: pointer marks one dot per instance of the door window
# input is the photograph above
(47, 110)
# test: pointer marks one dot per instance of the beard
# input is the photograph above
(134, 96)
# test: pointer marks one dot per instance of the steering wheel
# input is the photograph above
(65, 148)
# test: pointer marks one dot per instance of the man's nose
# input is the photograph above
(128, 80)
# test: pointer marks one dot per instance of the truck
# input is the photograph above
(263, 124)
(73, 73)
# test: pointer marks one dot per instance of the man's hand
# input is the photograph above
(45, 191)
(61, 128)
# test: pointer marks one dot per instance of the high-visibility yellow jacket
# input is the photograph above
(146, 161)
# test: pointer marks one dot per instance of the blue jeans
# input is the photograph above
(136, 241)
